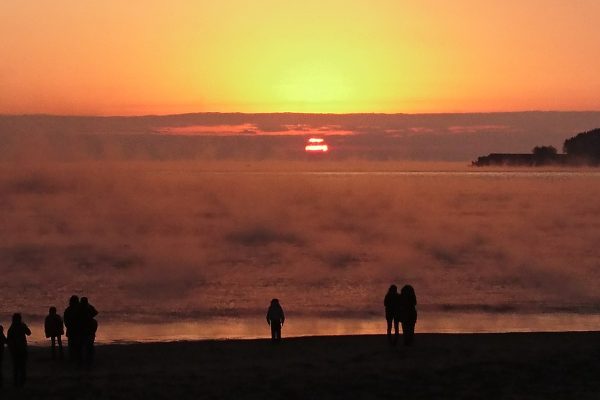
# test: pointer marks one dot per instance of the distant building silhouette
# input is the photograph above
(582, 149)
(531, 160)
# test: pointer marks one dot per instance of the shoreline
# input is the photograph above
(45, 345)
(491, 365)
(223, 328)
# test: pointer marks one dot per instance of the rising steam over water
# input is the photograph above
(181, 245)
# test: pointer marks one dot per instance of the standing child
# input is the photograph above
(2, 343)
(53, 326)
(275, 318)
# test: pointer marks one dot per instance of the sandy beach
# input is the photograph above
(439, 366)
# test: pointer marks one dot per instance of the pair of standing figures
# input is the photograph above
(401, 308)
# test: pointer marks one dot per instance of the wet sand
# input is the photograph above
(439, 366)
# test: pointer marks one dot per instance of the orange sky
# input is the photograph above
(111, 57)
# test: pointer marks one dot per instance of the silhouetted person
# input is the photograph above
(53, 327)
(17, 344)
(88, 328)
(275, 318)
(408, 313)
(71, 320)
(2, 343)
(392, 313)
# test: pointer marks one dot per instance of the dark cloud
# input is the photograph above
(215, 136)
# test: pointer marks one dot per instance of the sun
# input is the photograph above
(316, 145)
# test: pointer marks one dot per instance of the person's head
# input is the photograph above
(52, 311)
(393, 289)
(16, 318)
(407, 290)
(74, 300)
(275, 302)
(84, 301)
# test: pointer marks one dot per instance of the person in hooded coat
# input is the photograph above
(53, 328)
(17, 344)
(275, 318)
(408, 313)
(71, 318)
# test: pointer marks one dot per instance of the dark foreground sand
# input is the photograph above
(440, 366)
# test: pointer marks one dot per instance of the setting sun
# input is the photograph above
(316, 145)
(312, 199)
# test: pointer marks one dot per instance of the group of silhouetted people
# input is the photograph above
(79, 319)
(81, 326)
(401, 308)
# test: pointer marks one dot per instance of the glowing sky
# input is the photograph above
(139, 57)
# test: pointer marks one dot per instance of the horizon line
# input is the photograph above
(296, 113)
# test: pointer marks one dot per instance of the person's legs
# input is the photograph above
(411, 333)
(389, 329)
(23, 369)
(19, 369)
(53, 346)
(92, 349)
(60, 347)
(77, 349)
(71, 347)
(15, 365)
(275, 331)
(86, 350)
(408, 332)
(396, 330)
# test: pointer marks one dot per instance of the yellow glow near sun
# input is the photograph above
(297, 56)
(313, 83)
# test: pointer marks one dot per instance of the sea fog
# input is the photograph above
(173, 250)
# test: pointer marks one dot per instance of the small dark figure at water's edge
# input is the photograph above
(401, 308)
(408, 313)
(17, 344)
(54, 329)
(275, 318)
(391, 303)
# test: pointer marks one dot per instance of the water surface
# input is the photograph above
(169, 252)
